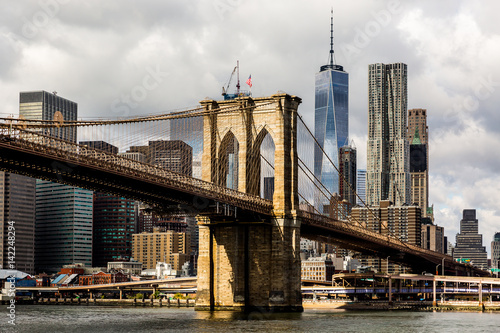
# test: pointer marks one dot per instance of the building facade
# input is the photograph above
(388, 174)
(403, 222)
(101, 145)
(63, 213)
(469, 243)
(433, 238)
(17, 221)
(102, 278)
(139, 157)
(42, 105)
(190, 131)
(126, 267)
(172, 155)
(348, 172)
(331, 120)
(495, 251)
(361, 187)
(417, 123)
(418, 138)
(63, 226)
(157, 246)
(419, 176)
(317, 269)
(113, 227)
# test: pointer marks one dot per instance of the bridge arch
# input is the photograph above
(250, 120)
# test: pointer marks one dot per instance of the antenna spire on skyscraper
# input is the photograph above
(331, 64)
(331, 41)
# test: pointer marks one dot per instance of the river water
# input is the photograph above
(76, 319)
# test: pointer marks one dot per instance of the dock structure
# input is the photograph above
(369, 286)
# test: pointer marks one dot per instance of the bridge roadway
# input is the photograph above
(352, 284)
(49, 158)
(183, 285)
(345, 284)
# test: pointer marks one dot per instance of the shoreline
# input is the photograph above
(424, 306)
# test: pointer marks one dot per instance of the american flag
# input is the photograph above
(249, 81)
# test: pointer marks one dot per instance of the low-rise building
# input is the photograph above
(102, 278)
(127, 267)
(317, 269)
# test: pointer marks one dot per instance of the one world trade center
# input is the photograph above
(331, 122)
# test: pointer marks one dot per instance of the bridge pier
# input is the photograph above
(249, 266)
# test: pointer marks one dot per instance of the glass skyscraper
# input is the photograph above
(331, 121)
(63, 229)
(361, 187)
(17, 209)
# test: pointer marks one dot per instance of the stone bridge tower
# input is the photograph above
(249, 261)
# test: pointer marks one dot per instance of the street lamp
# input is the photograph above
(388, 264)
(437, 272)
(442, 266)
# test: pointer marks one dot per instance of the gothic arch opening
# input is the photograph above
(228, 161)
(262, 177)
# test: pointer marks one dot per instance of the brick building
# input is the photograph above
(158, 246)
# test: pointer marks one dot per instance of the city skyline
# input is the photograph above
(449, 48)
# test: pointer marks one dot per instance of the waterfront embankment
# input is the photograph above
(111, 302)
(473, 306)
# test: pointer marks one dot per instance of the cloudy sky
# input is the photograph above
(122, 58)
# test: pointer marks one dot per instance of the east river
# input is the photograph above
(77, 319)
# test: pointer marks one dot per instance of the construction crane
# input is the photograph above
(238, 93)
(224, 90)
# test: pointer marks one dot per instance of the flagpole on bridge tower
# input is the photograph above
(249, 82)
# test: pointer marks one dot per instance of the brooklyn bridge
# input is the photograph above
(249, 239)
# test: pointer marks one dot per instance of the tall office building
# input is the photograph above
(361, 187)
(63, 230)
(17, 211)
(42, 105)
(114, 221)
(495, 251)
(417, 123)
(331, 120)
(388, 174)
(469, 246)
(190, 131)
(63, 226)
(174, 155)
(347, 169)
(417, 136)
(114, 225)
(433, 236)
